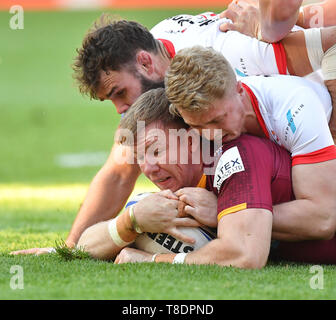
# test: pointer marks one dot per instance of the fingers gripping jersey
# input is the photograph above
(250, 172)
(294, 113)
(247, 55)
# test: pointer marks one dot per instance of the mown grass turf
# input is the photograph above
(42, 116)
(47, 277)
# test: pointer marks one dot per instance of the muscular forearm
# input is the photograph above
(298, 220)
(104, 240)
(96, 241)
(277, 18)
(243, 242)
(219, 252)
(107, 195)
(216, 252)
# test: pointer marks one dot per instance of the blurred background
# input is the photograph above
(49, 133)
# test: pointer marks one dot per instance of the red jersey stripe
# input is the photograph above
(255, 106)
(280, 57)
(169, 46)
(325, 154)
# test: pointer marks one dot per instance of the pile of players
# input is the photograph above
(248, 98)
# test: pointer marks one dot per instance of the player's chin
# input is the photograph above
(231, 136)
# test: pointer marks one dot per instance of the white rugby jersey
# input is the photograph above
(247, 55)
(294, 112)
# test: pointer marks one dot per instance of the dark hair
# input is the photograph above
(109, 45)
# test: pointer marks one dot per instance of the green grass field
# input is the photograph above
(43, 117)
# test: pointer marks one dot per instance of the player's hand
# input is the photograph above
(201, 204)
(244, 15)
(159, 213)
(127, 255)
(36, 251)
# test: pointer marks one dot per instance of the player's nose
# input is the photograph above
(150, 169)
(121, 107)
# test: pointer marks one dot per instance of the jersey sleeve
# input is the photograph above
(307, 128)
(242, 177)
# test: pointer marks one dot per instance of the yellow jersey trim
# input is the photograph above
(233, 209)
(202, 182)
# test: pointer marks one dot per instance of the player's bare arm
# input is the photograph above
(243, 242)
(310, 215)
(101, 202)
(155, 213)
(272, 22)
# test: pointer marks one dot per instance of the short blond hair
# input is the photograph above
(196, 77)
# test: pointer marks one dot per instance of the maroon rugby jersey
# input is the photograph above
(251, 172)
(256, 173)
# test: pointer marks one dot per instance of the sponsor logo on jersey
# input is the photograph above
(291, 115)
(184, 21)
(243, 72)
(239, 73)
(229, 163)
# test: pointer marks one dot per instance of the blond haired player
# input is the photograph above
(119, 60)
(291, 111)
(263, 180)
(244, 237)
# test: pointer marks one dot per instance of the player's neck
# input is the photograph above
(251, 124)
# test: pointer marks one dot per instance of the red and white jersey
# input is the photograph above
(247, 55)
(294, 113)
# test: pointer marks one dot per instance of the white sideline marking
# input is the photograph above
(78, 160)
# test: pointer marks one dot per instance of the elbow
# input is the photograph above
(288, 11)
(84, 242)
(325, 231)
(244, 260)
(89, 243)
(250, 262)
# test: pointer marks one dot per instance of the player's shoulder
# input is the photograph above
(281, 81)
(244, 140)
(246, 148)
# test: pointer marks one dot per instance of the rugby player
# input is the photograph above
(291, 111)
(157, 212)
(272, 20)
(127, 78)
(261, 179)
(120, 60)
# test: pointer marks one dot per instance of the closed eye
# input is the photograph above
(121, 93)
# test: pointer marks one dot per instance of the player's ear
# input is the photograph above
(239, 88)
(145, 62)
